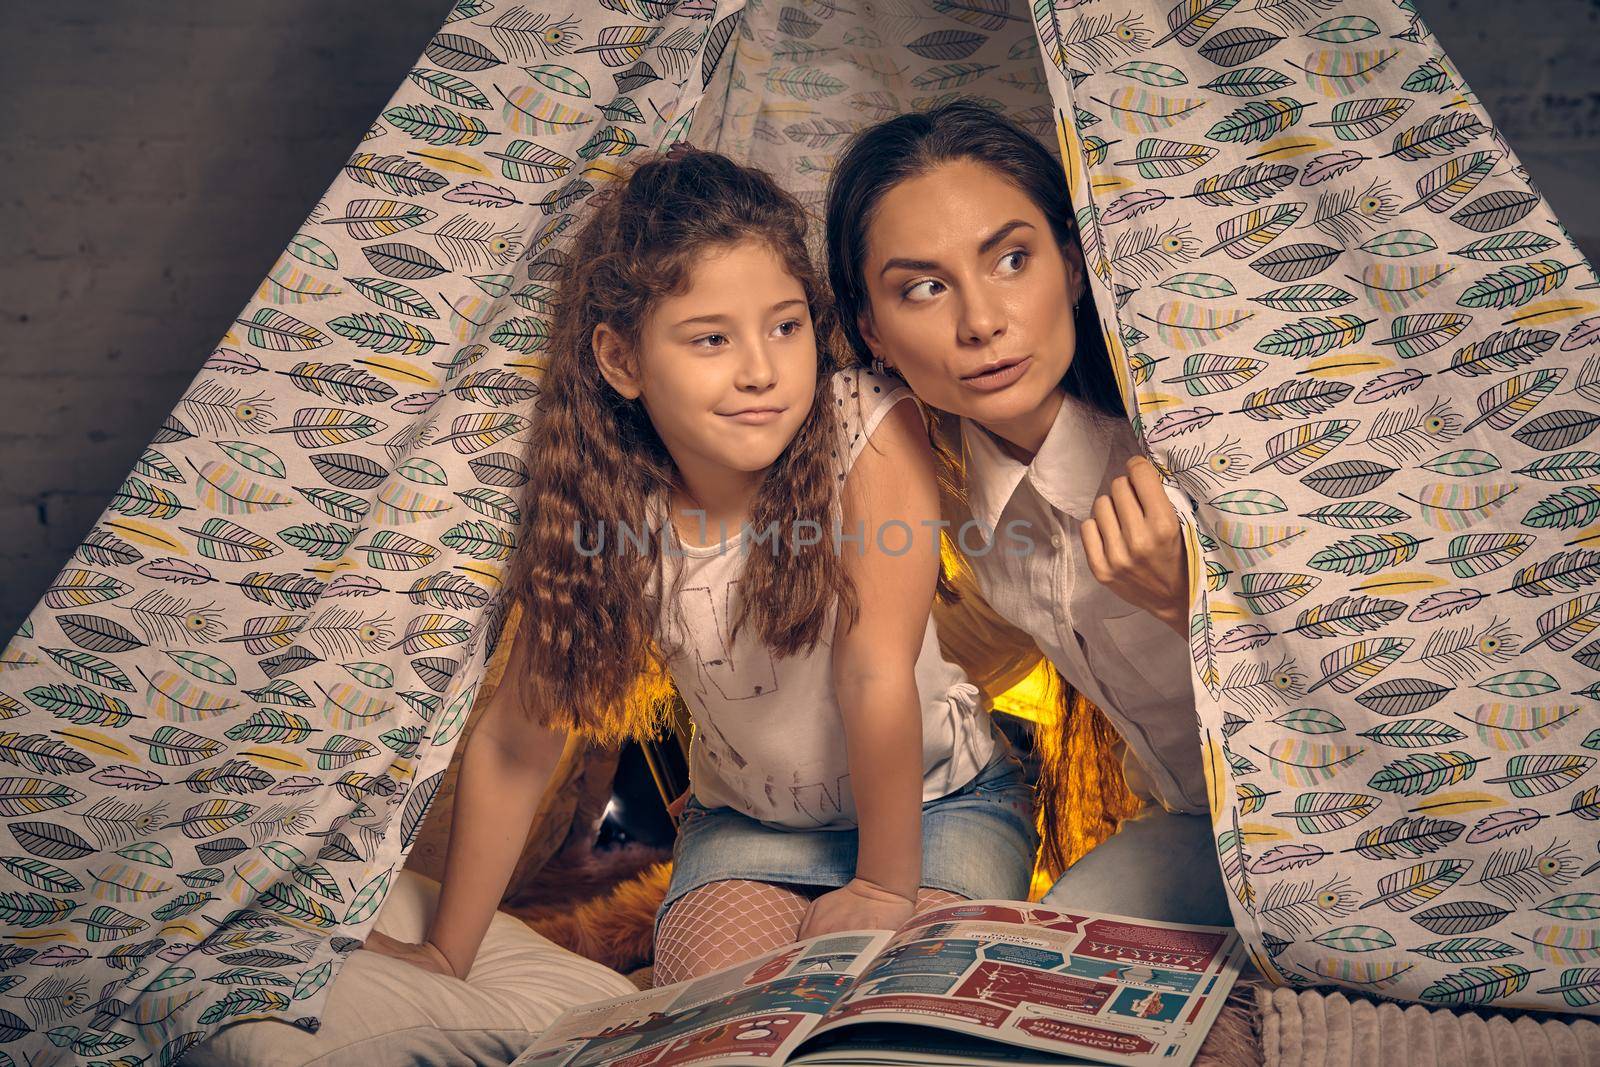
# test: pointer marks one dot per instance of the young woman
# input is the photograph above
(697, 449)
(987, 317)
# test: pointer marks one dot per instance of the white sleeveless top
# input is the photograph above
(769, 737)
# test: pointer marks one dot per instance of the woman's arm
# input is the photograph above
(509, 760)
(890, 496)
(1134, 546)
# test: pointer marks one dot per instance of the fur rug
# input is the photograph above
(612, 922)
(1235, 1038)
(599, 905)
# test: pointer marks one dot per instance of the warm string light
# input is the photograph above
(1082, 794)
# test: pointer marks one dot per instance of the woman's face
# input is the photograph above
(969, 296)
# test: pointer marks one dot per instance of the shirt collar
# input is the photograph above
(1067, 471)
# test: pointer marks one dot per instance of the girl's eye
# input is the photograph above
(790, 328)
(1019, 255)
(711, 337)
(927, 290)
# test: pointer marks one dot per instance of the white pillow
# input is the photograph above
(383, 1011)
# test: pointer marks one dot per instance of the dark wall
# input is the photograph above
(1535, 65)
(154, 158)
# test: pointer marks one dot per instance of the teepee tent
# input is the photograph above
(1352, 334)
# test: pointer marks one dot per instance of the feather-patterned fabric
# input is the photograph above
(1365, 357)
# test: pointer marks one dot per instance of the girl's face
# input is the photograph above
(969, 296)
(726, 369)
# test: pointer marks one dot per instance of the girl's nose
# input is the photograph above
(757, 370)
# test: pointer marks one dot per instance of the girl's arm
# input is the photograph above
(509, 760)
(1134, 546)
(891, 492)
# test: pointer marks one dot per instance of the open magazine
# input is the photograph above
(980, 982)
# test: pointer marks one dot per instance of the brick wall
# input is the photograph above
(154, 158)
(1535, 65)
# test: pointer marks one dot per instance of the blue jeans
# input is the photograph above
(977, 842)
(1157, 865)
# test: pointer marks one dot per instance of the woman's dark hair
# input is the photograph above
(908, 146)
(1082, 792)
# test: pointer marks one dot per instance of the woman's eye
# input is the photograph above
(923, 290)
(790, 328)
(1019, 256)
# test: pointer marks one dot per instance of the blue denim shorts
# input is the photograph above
(978, 842)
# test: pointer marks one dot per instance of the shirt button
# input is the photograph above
(1055, 540)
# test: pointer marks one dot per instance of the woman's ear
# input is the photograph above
(1077, 272)
(612, 356)
(869, 334)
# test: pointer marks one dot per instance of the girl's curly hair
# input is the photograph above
(585, 654)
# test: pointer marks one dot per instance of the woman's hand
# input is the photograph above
(424, 955)
(1135, 547)
(859, 905)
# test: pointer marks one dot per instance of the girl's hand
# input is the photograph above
(424, 955)
(675, 809)
(1135, 547)
(859, 905)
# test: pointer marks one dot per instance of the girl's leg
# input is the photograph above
(724, 923)
(1157, 865)
(929, 898)
(730, 921)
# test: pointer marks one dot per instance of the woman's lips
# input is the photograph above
(998, 379)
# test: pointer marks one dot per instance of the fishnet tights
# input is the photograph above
(731, 921)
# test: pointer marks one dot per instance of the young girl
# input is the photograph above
(702, 498)
(987, 318)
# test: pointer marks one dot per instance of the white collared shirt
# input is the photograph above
(1122, 658)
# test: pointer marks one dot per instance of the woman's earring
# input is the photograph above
(878, 366)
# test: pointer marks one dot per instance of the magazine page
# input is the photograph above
(1075, 984)
(754, 1012)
